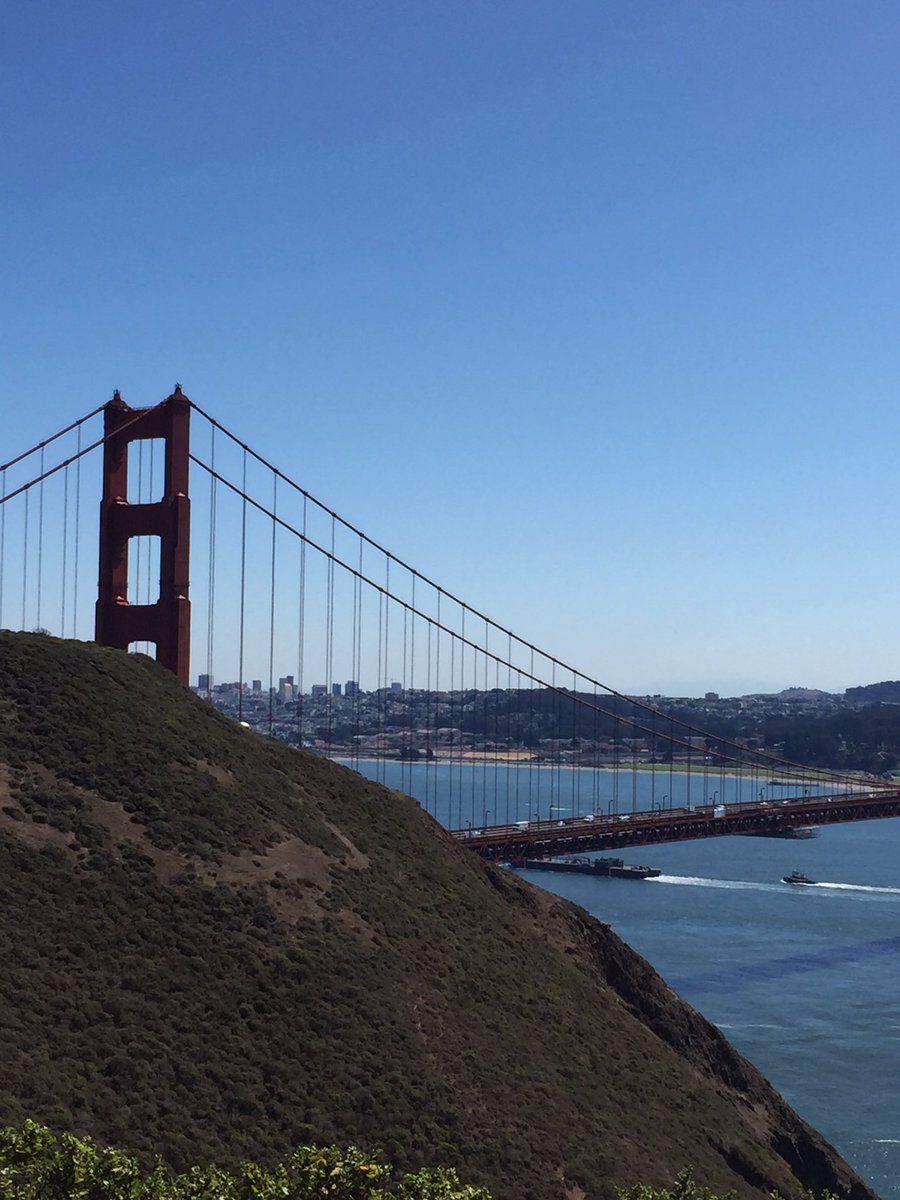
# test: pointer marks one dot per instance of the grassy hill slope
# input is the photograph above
(216, 947)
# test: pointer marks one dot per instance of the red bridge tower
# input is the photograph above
(168, 621)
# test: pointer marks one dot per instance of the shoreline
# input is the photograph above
(813, 778)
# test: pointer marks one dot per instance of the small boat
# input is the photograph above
(797, 877)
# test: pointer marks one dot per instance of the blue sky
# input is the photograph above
(587, 310)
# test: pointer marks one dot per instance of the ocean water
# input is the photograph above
(804, 981)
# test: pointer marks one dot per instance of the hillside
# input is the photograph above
(216, 947)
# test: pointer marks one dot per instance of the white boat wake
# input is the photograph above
(736, 885)
(748, 886)
(857, 887)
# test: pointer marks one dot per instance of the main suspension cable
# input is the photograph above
(741, 756)
(688, 730)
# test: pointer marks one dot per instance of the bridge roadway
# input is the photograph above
(546, 839)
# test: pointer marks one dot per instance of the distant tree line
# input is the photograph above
(864, 739)
(887, 692)
(852, 738)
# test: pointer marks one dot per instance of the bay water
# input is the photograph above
(804, 981)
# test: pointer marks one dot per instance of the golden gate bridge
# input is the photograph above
(210, 558)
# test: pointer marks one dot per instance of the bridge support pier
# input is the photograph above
(168, 621)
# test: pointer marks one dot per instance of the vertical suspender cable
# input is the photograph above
(485, 711)
(243, 586)
(539, 780)
(25, 561)
(462, 711)
(40, 562)
(329, 644)
(509, 733)
(531, 736)
(387, 617)
(409, 615)
(496, 707)
(379, 695)
(459, 821)
(403, 661)
(634, 764)
(65, 547)
(357, 655)
(210, 605)
(354, 670)
(458, 700)
(379, 692)
(482, 815)
(520, 740)
(617, 734)
(554, 767)
(437, 692)
(595, 773)
(577, 758)
(272, 606)
(3, 548)
(301, 632)
(77, 532)
(430, 719)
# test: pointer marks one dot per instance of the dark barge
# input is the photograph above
(604, 867)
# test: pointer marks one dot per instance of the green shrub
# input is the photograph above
(685, 1188)
(37, 1164)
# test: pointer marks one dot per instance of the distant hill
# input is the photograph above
(887, 692)
(802, 693)
(216, 947)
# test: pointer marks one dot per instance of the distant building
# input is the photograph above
(318, 690)
(396, 687)
(257, 685)
(204, 682)
(351, 688)
(335, 689)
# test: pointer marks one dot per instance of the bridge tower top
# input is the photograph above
(167, 622)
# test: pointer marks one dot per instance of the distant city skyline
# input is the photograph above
(684, 689)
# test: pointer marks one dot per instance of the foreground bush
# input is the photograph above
(684, 1188)
(37, 1164)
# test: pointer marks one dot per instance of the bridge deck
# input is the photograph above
(545, 839)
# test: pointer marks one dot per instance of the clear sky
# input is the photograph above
(588, 310)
